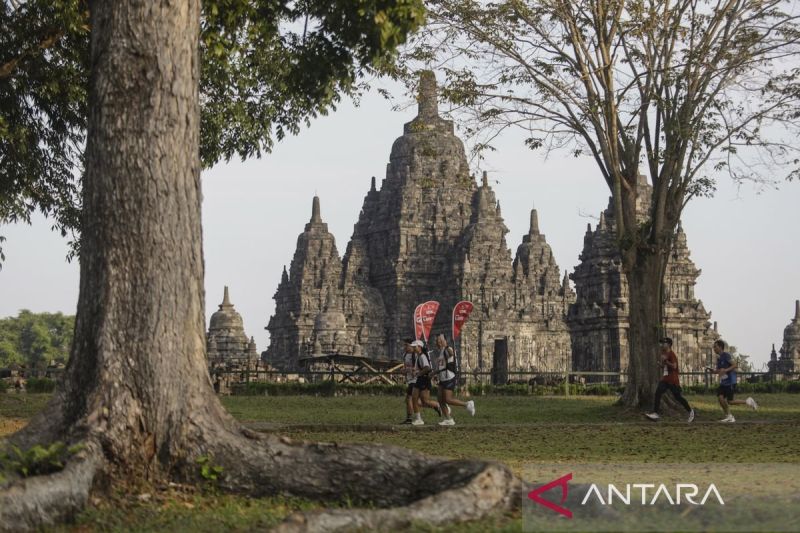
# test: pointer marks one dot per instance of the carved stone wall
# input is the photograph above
(432, 232)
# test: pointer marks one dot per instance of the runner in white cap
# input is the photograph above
(422, 385)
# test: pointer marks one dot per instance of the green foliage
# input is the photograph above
(208, 471)
(3, 386)
(521, 389)
(262, 80)
(322, 388)
(40, 385)
(44, 51)
(267, 68)
(35, 339)
(762, 387)
(38, 460)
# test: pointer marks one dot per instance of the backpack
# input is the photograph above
(451, 362)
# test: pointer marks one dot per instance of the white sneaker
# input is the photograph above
(728, 419)
(471, 407)
(447, 422)
(652, 416)
(691, 416)
(751, 403)
(417, 422)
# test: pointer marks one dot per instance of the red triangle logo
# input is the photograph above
(535, 495)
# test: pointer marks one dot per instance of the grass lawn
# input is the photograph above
(517, 430)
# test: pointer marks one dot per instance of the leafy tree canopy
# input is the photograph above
(35, 339)
(268, 67)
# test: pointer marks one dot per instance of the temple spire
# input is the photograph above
(797, 310)
(427, 99)
(226, 301)
(315, 216)
(485, 179)
(483, 204)
(372, 186)
(534, 230)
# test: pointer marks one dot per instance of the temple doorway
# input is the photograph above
(500, 362)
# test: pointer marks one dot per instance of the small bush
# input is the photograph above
(3, 386)
(761, 387)
(322, 388)
(602, 389)
(38, 460)
(40, 385)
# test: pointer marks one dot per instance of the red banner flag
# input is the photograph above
(418, 322)
(460, 314)
(427, 314)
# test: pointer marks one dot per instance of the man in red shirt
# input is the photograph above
(669, 381)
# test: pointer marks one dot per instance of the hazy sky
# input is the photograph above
(744, 240)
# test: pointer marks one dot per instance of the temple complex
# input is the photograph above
(431, 231)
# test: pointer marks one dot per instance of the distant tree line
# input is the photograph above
(35, 339)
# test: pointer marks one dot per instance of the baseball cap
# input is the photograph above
(418, 343)
(666, 340)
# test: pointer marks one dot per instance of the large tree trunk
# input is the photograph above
(136, 391)
(645, 283)
(645, 251)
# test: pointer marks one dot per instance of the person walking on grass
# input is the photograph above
(409, 367)
(446, 373)
(726, 369)
(421, 396)
(669, 381)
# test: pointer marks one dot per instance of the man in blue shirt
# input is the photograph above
(726, 369)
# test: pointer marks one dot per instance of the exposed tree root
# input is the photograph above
(406, 486)
(31, 503)
(492, 489)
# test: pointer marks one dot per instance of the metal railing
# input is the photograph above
(485, 377)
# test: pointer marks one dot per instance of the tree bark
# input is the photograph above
(645, 252)
(136, 391)
(645, 282)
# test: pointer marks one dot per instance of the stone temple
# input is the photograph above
(432, 232)
(598, 319)
(789, 360)
(226, 342)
